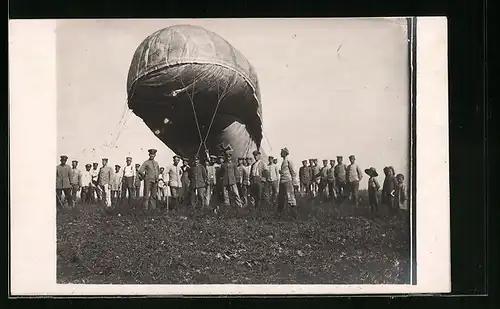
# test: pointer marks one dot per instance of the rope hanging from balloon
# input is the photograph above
(220, 97)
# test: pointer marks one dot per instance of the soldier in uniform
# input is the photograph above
(305, 176)
(257, 179)
(116, 185)
(104, 181)
(137, 182)
(198, 181)
(228, 173)
(76, 181)
(340, 178)
(86, 184)
(63, 176)
(331, 180)
(128, 178)
(95, 192)
(149, 172)
(174, 181)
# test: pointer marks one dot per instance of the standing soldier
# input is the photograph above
(228, 173)
(331, 180)
(116, 183)
(104, 181)
(305, 176)
(162, 186)
(323, 181)
(128, 178)
(256, 178)
(211, 181)
(149, 172)
(354, 175)
(95, 190)
(316, 177)
(288, 174)
(137, 182)
(198, 181)
(239, 176)
(340, 178)
(63, 184)
(75, 180)
(86, 184)
(174, 181)
(245, 184)
(218, 179)
(273, 181)
(186, 192)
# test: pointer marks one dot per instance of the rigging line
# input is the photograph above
(269, 143)
(121, 129)
(247, 147)
(219, 100)
(195, 116)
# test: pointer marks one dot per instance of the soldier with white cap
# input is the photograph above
(104, 181)
(128, 178)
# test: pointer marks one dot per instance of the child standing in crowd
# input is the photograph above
(389, 188)
(401, 192)
(373, 187)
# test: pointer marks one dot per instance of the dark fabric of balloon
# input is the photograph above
(183, 73)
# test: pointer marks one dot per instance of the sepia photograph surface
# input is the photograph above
(235, 152)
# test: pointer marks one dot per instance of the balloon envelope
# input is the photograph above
(196, 92)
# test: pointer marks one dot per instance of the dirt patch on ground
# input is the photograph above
(324, 244)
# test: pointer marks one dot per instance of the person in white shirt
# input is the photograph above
(95, 191)
(86, 184)
(116, 183)
(174, 180)
(163, 187)
(272, 184)
(128, 181)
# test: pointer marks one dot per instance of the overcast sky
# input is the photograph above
(329, 87)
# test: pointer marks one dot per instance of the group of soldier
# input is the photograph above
(241, 182)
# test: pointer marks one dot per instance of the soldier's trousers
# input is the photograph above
(231, 191)
(106, 195)
(67, 196)
(353, 191)
(137, 191)
(341, 189)
(208, 194)
(150, 194)
(198, 194)
(128, 186)
(256, 191)
(286, 195)
(74, 192)
(331, 189)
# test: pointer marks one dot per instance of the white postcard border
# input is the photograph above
(32, 107)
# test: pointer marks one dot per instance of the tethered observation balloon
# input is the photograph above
(188, 84)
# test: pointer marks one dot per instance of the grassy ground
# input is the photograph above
(323, 245)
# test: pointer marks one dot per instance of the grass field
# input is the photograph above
(323, 244)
